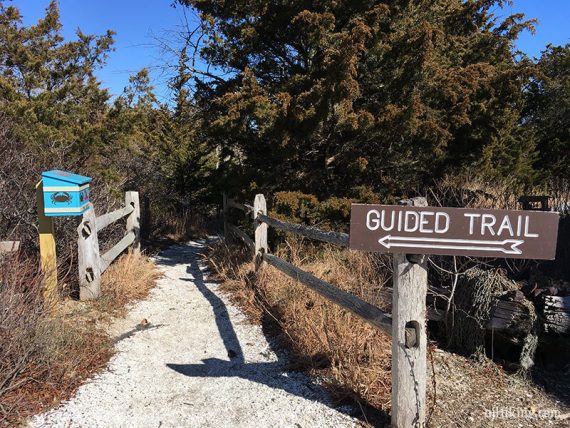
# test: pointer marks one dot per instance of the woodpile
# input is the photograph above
(513, 317)
(556, 313)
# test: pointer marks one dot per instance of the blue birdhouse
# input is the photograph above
(65, 193)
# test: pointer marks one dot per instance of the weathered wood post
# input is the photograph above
(225, 216)
(261, 247)
(48, 256)
(409, 364)
(134, 219)
(88, 257)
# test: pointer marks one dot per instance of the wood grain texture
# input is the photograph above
(409, 369)
(88, 257)
(243, 236)
(242, 207)
(107, 258)
(261, 247)
(48, 255)
(364, 310)
(106, 219)
(557, 314)
(409, 363)
(134, 219)
(336, 238)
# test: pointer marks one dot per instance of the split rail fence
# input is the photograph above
(505, 317)
(406, 326)
(364, 310)
(91, 263)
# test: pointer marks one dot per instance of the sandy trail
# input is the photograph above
(198, 364)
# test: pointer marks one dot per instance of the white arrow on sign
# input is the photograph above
(507, 246)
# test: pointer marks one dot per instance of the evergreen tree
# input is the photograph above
(48, 89)
(330, 96)
(547, 116)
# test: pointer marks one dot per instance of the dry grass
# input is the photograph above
(352, 358)
(473, 191)
(43, 359)
(45, 356)
(467, 393)
(129, 279)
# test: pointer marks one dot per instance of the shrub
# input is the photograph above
(43, 357)
(297, 206)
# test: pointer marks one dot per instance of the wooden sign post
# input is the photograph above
(409, 364)
(409, 367)
(48, 257)
(413, 228)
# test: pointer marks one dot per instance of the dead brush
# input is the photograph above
(180, 225)
(351, 357)
(42, 359)
(473, 191)
(233, 266)
(128, 279)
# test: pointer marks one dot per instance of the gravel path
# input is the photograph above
(198, 363)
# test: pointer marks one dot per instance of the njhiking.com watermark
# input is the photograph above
(521, 413)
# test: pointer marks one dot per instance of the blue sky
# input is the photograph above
(138, 24)
(553, 23)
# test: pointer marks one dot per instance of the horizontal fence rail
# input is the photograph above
(242, 207)
(91, 263)
(243, 236)
(367, 312)
(336, 238)
(106, 219)
(113, 253)
(364, 310)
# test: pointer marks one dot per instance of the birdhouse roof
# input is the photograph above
(68, 177)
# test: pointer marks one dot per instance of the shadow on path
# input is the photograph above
(271, 374)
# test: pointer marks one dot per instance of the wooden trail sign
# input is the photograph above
(414, 228)
(454, 231)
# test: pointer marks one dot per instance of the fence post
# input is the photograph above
(409, 365)
(48, 255)
(261, 247)
(88, 257)
(134, 219)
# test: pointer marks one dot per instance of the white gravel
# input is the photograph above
(197, 364)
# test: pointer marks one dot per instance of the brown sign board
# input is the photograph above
(454, 231)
